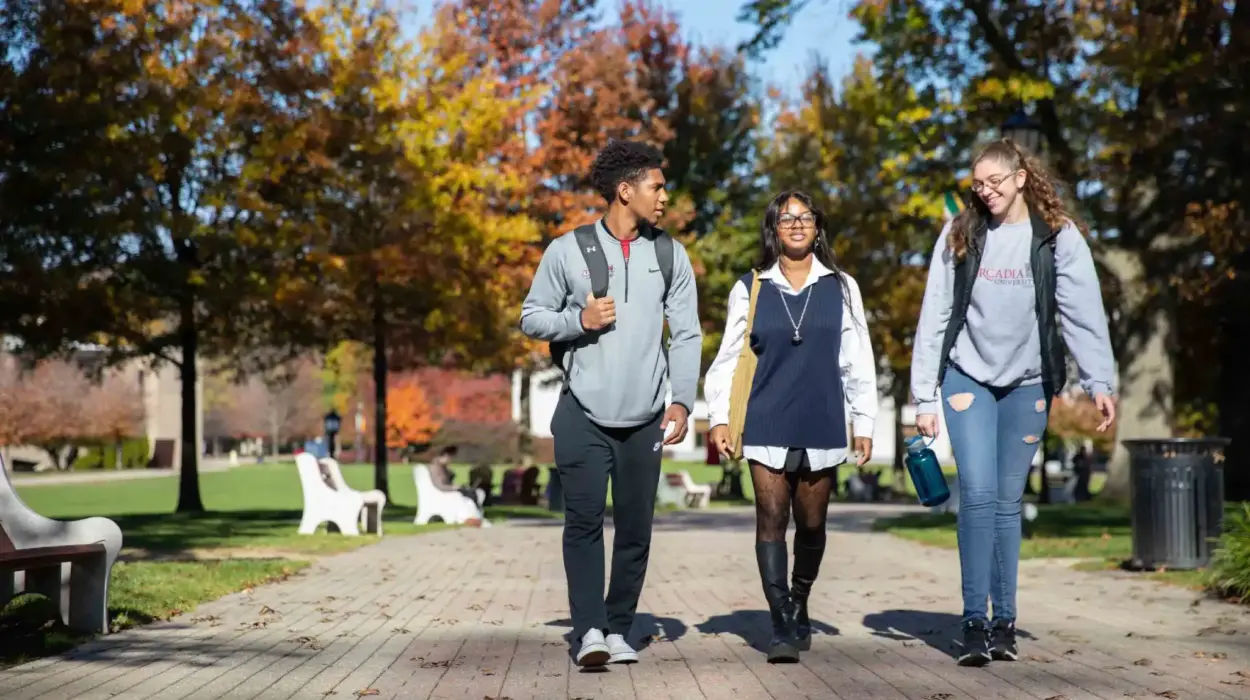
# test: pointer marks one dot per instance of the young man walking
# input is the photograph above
(600, 297)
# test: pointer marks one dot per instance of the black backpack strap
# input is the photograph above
(596, 261)
(664, 256)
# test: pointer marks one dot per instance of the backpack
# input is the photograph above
(597, 264)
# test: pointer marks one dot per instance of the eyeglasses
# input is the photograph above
(792, 221)
(993, 182)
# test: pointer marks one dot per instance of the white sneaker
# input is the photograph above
(594, 650)
(621, 651)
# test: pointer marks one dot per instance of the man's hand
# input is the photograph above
(598, 313)
(927, 425)
(678, 417)
(863, 446)
(719, 436)
(1106, 406)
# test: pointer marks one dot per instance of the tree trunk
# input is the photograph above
(273, 433)
(380, 480)
(899, 397)
(117, 453)
(1145, 406)
(188, 472)
(526, 439)
(1234, 411)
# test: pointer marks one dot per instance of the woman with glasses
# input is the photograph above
(1003, 274)
(814, 359)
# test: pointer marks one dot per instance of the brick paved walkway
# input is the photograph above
(480, 614)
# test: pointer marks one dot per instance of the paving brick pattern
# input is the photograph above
(481, 614)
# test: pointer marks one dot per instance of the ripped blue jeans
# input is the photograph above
(994, 434)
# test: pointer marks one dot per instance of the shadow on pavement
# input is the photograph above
(937, 630)
(754, 627)
(648, 629)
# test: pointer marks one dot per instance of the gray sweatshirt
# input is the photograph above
(999, 344)
(618, 373)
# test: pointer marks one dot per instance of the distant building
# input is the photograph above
(161, 389)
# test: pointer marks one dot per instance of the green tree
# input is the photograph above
(143, 141)
(1141, 108)
(409, 234)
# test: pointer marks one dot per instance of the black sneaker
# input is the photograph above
(976, 651)
(1003, 641)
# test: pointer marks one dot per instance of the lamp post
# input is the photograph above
(332, 423)
(1021, 128)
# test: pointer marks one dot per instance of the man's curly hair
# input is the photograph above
(622, 161)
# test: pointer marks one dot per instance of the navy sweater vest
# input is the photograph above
(796, 397)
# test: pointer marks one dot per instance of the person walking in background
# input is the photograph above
(600, 296)
(810, 336)
(988, 338)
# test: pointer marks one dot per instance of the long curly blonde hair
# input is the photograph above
(1041, 192)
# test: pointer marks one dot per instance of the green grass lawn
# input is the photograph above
(1084, 530)
(140, 592)
(254, 507)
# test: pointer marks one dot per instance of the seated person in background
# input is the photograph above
(529, 486)
(440, 473)
(482, 477)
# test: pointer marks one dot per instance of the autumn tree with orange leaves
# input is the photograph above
(634, 77)
(410, 419)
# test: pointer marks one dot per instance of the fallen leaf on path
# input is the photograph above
(940, 696)
(367, 691)
(1143, 662)
(1169, 694)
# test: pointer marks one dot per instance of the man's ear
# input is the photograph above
(624, 192)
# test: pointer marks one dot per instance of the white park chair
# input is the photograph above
(324, 502)
(697, 495)
(671, 490)
(69, 562)
(452, 507)
(375, 500)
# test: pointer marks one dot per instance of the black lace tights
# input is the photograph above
(777, 493)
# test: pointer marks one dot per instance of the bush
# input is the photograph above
(134, 455)
(492, 443)
(1229, 573)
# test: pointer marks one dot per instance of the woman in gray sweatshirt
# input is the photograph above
(1003, 274)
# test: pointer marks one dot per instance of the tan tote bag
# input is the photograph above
(744, 375)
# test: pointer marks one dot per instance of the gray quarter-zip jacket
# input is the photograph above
(618, 373)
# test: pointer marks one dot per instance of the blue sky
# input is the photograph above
(821, 29)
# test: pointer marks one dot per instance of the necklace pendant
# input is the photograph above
(797, 338)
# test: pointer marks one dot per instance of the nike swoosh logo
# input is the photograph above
(653, 269)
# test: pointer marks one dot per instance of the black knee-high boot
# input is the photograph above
(809, 550)
(773, 562)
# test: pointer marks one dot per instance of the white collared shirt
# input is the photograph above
(855, 360)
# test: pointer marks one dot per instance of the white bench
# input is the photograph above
(679, 489)
(327, 498)
(452, 507)
(697, 495)
(69, 562)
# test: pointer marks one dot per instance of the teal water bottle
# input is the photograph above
(926, 473)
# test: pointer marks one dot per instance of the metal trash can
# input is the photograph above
(1177, 500)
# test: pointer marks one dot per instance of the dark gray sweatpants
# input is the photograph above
(586, 455)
